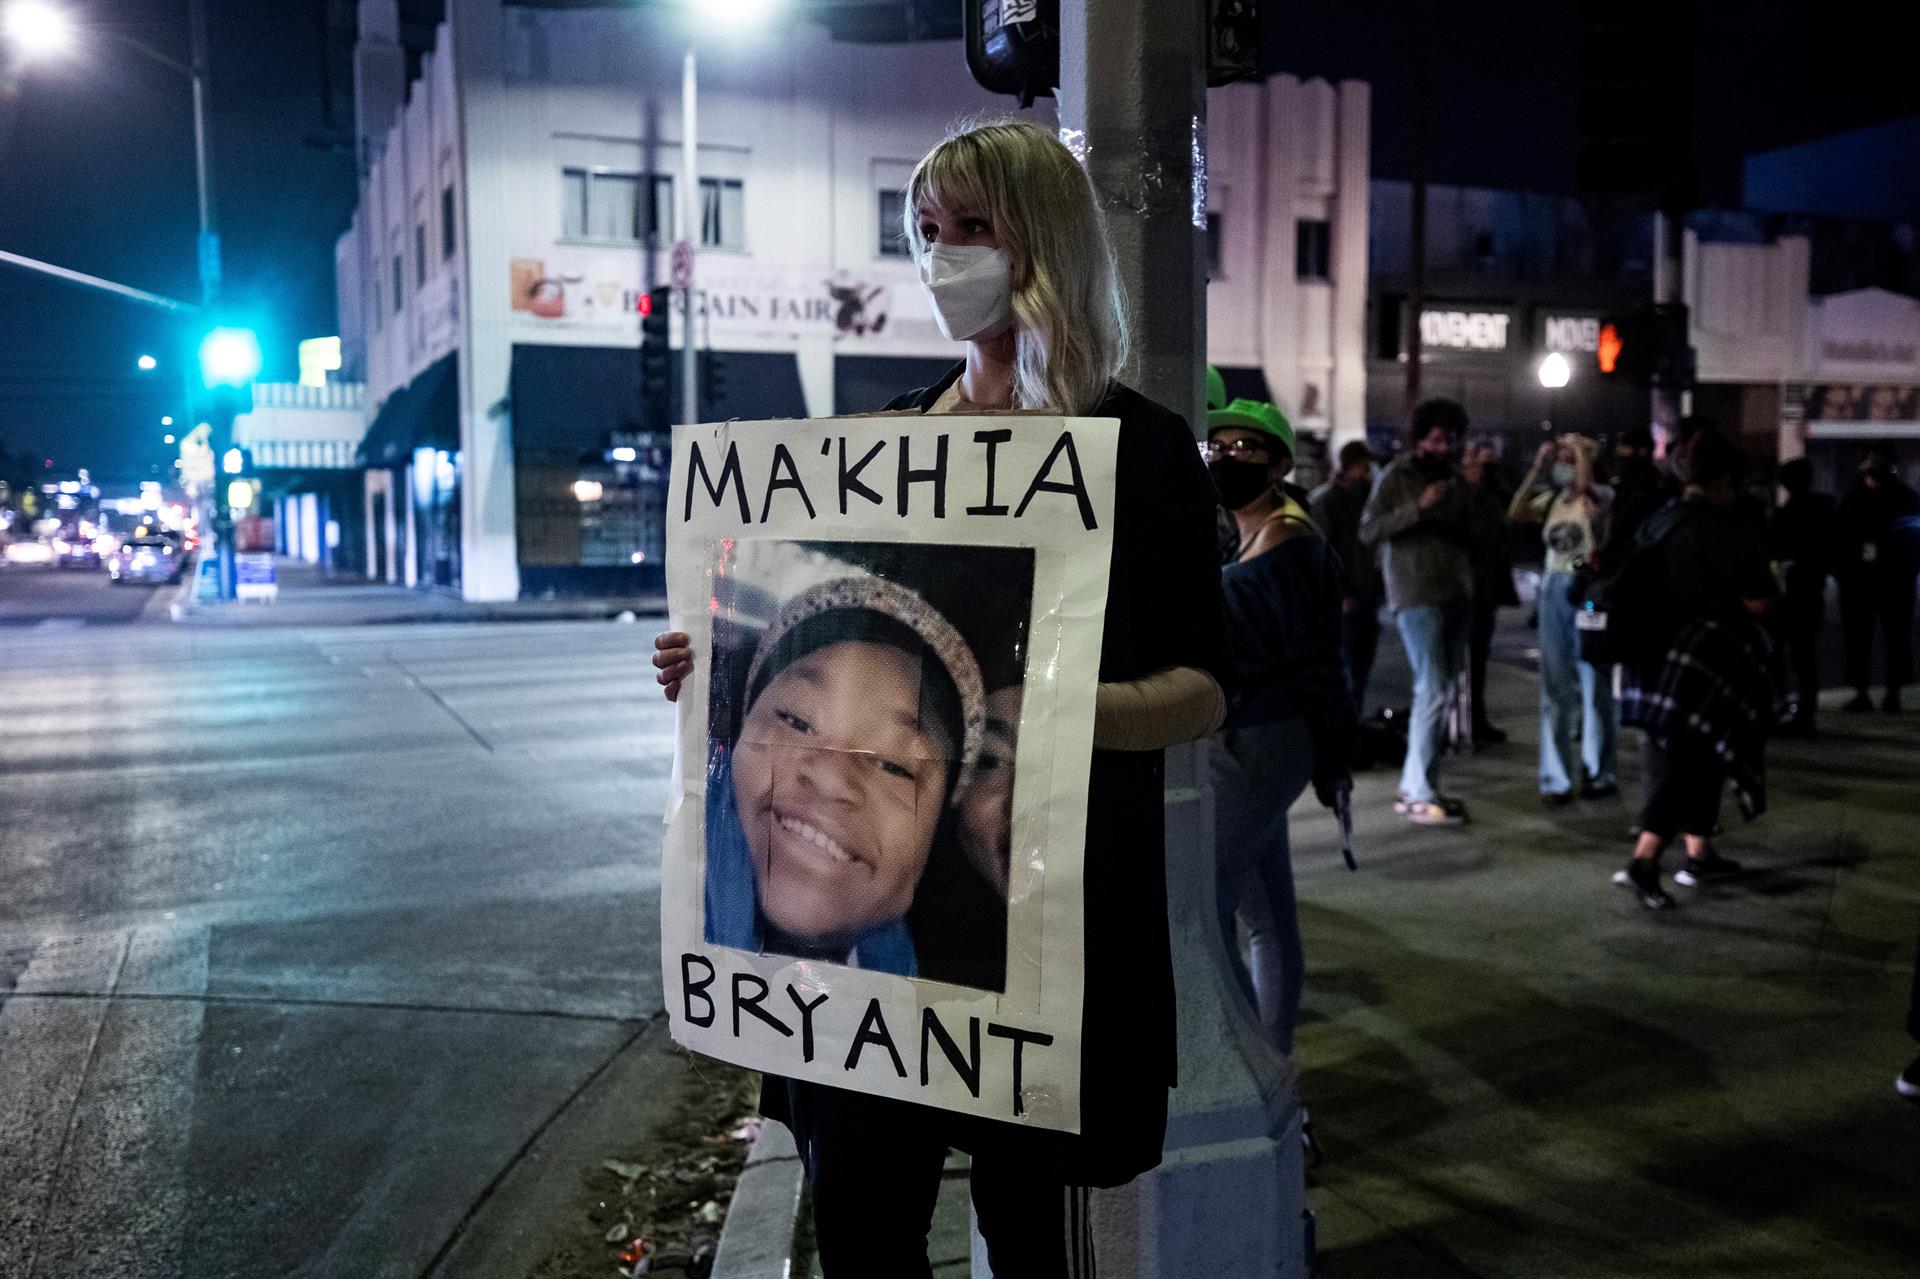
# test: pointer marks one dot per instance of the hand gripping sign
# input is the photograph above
(875, 834)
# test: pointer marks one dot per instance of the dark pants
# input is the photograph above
(1685, 778)
(1913, 1000)
(1801, 619)
(1884, 600)
(1479, 645)
(1360, 639)
(874, 1167)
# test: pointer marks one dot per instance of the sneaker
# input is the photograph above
(1642, 875)
(1858, 703)
(1907, 1082)
(1432, 812)
(1601, 790)
(1799, 725)
(1704, 870)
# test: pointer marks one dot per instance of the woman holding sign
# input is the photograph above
(1013, 253)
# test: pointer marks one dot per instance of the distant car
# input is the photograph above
(38, 554)
(75, 552)
(147, 559)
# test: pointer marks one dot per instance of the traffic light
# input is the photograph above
(656, 353)
(229, 363)
(1648, 347)
(229, 357)
(713, 383)
(1013, 46)
(1233, 41)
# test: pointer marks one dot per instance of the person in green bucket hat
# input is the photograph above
(1292, 720)
(1250, 420)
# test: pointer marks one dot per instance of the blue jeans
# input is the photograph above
(1573, 695)
(1435, 636)
(1257, 774)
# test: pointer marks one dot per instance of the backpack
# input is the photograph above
(1624, 616)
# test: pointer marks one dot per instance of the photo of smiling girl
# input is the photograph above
(835, 815)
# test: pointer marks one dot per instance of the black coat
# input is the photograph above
(1163, 609)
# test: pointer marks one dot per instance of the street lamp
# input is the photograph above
(731, 13)
(37, 28)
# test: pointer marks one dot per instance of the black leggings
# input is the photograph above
(1684, 780)
(874, 1165)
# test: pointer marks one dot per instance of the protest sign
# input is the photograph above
(873, 865)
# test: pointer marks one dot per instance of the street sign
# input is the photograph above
(254, 578)
(682, 264)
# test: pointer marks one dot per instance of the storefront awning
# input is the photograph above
(423, 414)
(572, 399)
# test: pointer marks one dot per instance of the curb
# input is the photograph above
(756, 1241)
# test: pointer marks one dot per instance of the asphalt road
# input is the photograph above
(67, 599)
(304, 935)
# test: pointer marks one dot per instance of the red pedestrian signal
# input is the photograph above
(1609, 349)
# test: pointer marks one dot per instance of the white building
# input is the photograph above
(518, 201)
(1794, 374)
(302, 443)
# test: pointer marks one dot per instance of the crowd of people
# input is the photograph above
(1671, 598)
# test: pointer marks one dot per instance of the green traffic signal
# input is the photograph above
(229, 357)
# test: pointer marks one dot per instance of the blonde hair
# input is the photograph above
(1070, 320)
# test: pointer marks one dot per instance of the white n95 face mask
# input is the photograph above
(971, 288)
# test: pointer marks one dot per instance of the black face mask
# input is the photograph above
(1434, 468)
(1238, 483)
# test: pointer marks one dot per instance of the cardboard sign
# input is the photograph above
(873, 863)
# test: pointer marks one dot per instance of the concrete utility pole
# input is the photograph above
(219, 415)
(1229, 1198)
(1417, 220)
(689, 230)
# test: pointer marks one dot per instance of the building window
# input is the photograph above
(1213, 247)
(1312, 250)
(399, 283)
(621, 208)
(723, 214)
(419, 255)
(893, 231)
(446, 222)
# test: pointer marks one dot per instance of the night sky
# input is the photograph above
(96, 173)
(96, 164)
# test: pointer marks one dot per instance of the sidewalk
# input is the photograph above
(1516, 1071)
(310, 596)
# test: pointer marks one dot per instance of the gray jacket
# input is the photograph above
(1423, 553)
